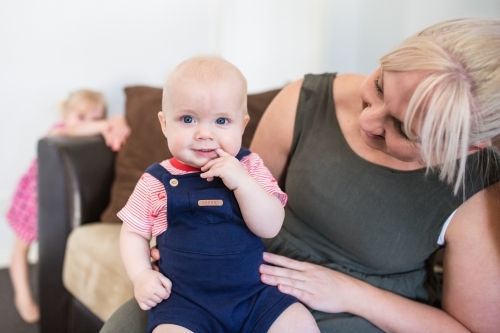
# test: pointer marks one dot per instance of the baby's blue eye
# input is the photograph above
(221, 121)
(187, 119)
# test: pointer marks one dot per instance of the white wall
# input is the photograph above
(50, 48)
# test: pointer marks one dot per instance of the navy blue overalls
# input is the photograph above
(212, 259)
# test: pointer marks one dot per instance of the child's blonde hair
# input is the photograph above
(459, 102)
(84, 96)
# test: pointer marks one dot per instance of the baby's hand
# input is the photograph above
(226, 167)
(150, 288)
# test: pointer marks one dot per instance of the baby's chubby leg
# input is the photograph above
(169, 328)
(296, 318)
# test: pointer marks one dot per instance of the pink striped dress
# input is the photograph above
(22, 214)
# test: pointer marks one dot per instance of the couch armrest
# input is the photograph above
(74, 181)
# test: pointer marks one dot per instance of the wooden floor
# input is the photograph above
(10, 322)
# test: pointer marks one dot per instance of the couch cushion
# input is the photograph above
(147, 144)
(93, 271)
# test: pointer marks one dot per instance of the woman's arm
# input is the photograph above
(471, 293)
(327, 290)
(273, 137)
(471, 287)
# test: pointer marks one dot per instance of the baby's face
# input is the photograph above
(83, 111)
(201, 117)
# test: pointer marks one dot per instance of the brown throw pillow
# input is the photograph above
(147, 144)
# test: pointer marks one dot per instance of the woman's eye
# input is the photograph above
(187, 119)
(399, 128)
(378, 88)
(221, 121)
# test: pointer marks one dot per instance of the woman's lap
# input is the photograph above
(129, 318)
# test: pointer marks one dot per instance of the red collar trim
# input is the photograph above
(181, 166)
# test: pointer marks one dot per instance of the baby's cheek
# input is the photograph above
(175, 147)
(232, 145)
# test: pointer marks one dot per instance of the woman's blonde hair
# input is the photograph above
(458, 104)
(84, 96)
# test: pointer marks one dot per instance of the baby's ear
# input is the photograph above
(163, 124)
(246, 119)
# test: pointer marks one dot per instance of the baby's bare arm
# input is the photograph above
(262, 211)
(150, 286)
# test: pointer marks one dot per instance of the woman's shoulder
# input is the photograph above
(479, 212)
(346, 91)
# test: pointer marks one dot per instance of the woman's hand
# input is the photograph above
(320, 288)
(155, 256)
(116, 132)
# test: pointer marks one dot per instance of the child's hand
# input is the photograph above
(150, 288)
(226, 167)
(116, 132)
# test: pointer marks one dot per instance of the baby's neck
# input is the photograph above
(182, 166)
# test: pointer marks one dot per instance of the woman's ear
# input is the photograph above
(479, 145)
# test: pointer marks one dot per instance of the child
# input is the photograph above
(208, 206)
(82, 114)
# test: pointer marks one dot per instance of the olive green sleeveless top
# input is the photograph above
(377, 224)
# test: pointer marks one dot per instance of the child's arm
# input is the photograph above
(114, 130)
(82, 129)
(150, 286)
(262, 211)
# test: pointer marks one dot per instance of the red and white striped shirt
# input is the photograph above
(146, 209)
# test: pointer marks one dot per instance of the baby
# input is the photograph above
(208, 207)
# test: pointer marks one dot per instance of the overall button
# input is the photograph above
(174, 182)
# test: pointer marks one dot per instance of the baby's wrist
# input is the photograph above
(138, 276)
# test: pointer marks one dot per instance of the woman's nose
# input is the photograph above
(372, 119)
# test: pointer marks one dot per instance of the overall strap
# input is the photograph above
(157, 171)
(242, 153)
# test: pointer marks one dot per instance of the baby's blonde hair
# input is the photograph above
(205, 69)
(459, 102)
(83, 96)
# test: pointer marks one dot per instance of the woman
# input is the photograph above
(381, 172)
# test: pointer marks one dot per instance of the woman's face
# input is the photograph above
(385, 96)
